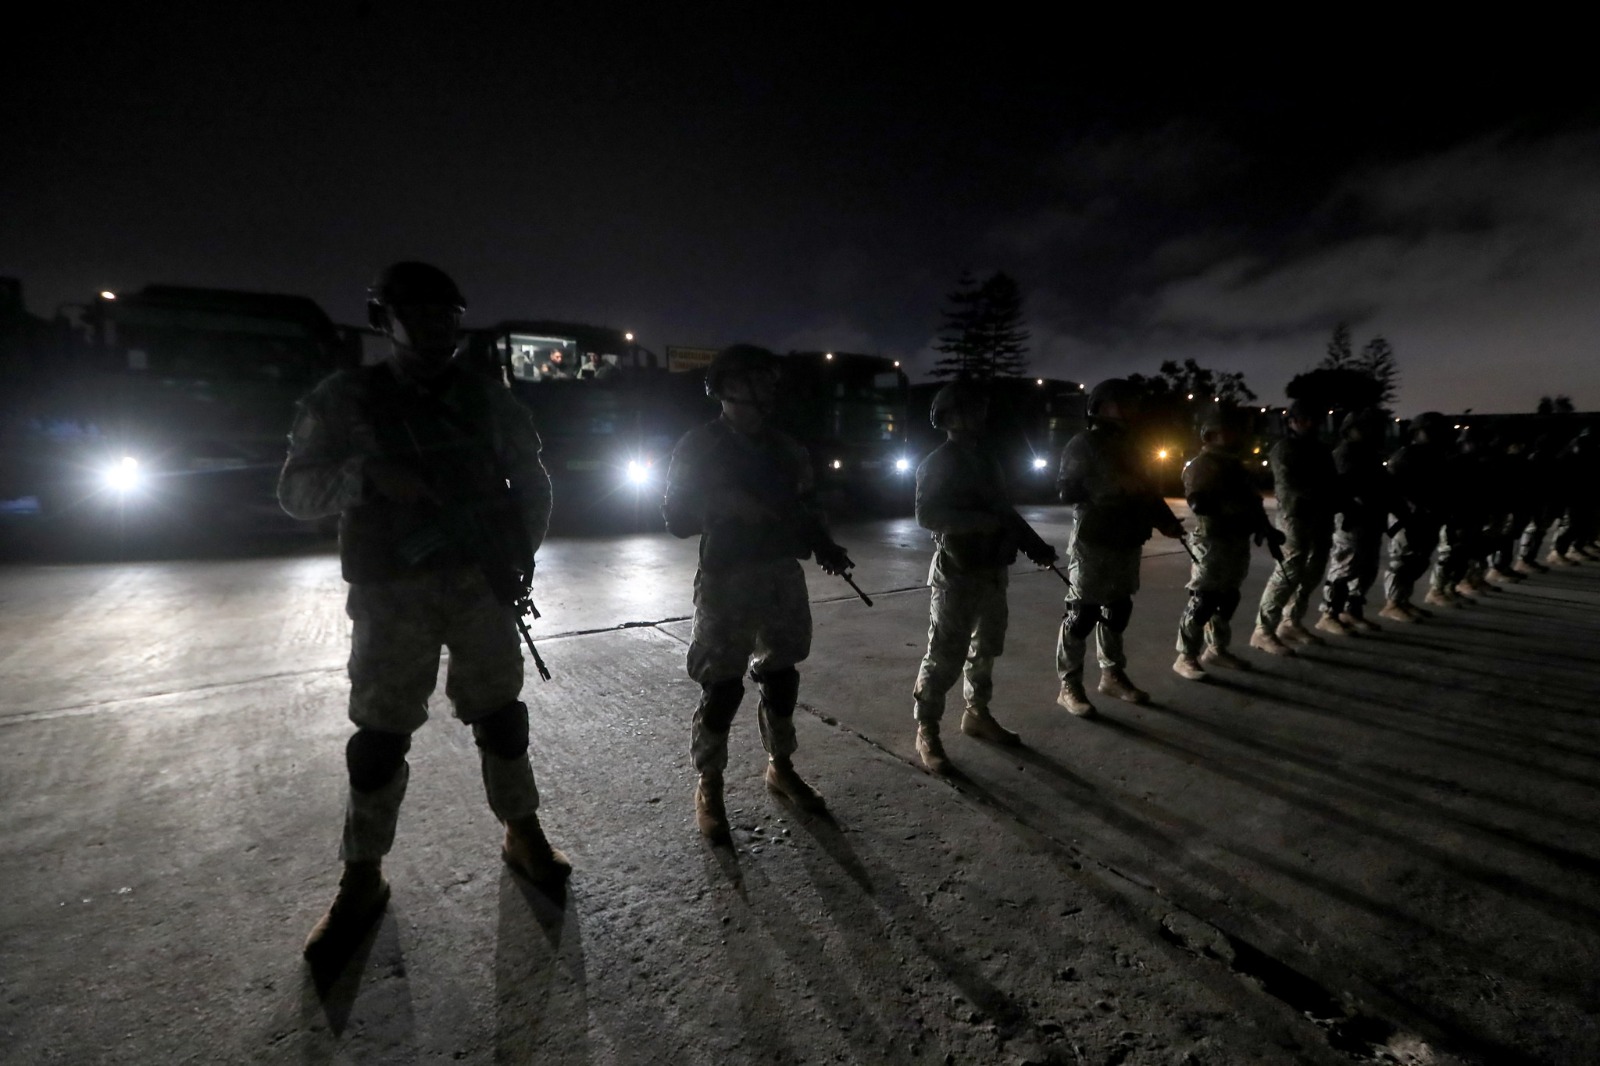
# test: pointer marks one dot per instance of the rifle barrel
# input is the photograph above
(851, 582)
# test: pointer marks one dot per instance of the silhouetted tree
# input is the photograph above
(1340, 389)
(1377, 362)
(983, 336)
(1561, 405)
(1340, 354)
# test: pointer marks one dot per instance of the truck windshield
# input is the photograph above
(214, 345)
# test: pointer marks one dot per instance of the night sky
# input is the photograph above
(1161, 190)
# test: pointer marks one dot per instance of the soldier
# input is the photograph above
(1466, 511)
(1510, 472)
(1541, 495)
(1307, 487)
(1418, 474)
(1366, 498)
(1578, 471)
(961, 499)
(747, 491)
(1115, 505)
(1229, 513)
(415, 455)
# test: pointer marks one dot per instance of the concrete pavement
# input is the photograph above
(1384, 850)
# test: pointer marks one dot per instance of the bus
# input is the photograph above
(849, 410)
(165, 408)
(607, 409)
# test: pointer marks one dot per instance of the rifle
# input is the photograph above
(510, 581)
(1183, 538)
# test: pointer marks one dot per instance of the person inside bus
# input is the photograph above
(554, 369)
(595, 367)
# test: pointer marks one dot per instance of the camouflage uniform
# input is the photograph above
(1116, 506)
(1229, 513)
(751, 609)
(1467, 507)
(961, 498)
(414, 586)
(1307, 487)
(1418, 474)
(1364, 489)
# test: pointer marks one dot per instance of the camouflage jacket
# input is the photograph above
(1116, 502)
(961, 500)
(1221, 496)
(473, 444)
(1305, 480)
(713, 462)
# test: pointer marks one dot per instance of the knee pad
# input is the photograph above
(1202, 605)
(1119, 613)
(779, 689)
(1080, 618)
(1227, 603)
(373, 758)
(505, 732)
(718, 702)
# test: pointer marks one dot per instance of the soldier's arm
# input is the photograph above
(942, 506)
(518, 440)
(1072, 478)
(324, 472)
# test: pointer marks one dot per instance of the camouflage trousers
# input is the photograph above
(756, 617)
(1458, 556)
(966, 628)
(1533, 535)
(398, 629)
(1409, 552)
(1101, 579)
(1214, 581)
(1288, 593)
(1352, 570)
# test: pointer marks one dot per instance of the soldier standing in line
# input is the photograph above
(1229, 514)
(747, 491)
(1419, 476)
(1467, 508)
(1578, 469)
(1542, 493)
(1307, 488)
(1365, 494)
(961, 499)
(434, 473)
(1116, 505)
(1508, 471)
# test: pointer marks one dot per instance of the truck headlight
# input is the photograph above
(638, 473)
(1040, 464)
(902, 465)
(123, 476)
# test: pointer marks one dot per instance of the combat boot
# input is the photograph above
(1262, 640)
(1575, 556)
(1440, 598)
(1496, 576)
(1294, 632)
(1527, 567)
(1335, 626)
(1213, 657)
(1188, 667)
(931, 749)
(1358, 623)
(1418, 613)
(980, 724)
(1396, 612)
(529, 853)
(709, 813)
(362, 896)
(1073, 699)
(1114, 682)
(1556, 560)
(783, 781)
(1465, 588)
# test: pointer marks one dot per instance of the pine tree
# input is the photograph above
(958, 335)
(983, 336)
(1340, 355)
(1378, 362)
(1004, 340)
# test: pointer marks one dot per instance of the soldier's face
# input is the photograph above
(748, 401)
(425, 337)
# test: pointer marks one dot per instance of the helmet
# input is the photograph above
(1119, 391)
(1474, 435)
(737, 361)
(1432, 423)
(408, 283)
(1366, 418)
(1223, 418)
(1303, 411)
(954, 395)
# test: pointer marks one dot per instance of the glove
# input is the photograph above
(1041, 554)
(833, 560)
(1173, 529)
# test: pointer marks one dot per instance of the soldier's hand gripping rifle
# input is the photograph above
(1036, 548)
